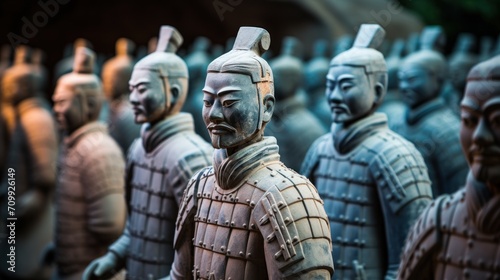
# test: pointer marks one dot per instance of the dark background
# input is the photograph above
(103, 22)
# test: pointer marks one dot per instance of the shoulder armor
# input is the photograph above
(289, 215)
(425, 239)
(312, 155)
(189, 204)
(400, 173)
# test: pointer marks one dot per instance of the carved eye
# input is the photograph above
(469, 121)
(207, 103)
(228, 103)
(346, 86)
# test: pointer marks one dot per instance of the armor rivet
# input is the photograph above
(222, 248)
(470, 243)
(282, 247)
(252, 226)
(232, 224)
(287, 220)
(242, 254)
(276, 228)
(199, 194)
(244, 225)
(248, 200)
(252, 203)
(208, 220)
(283, 181)
(200, 242)
(466, 273)
(448, 258)
(216, 221)
(288, 242)
(249, 255)
(255, 182)
(229, 252)
(280, 203)
(295, 238)
(192, 240)
(227, 222)
(212, 246)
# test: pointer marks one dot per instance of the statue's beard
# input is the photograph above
(487, 174)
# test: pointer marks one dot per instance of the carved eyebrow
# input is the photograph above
(222, 91)
(470, 104)
(491, 104)
(140, 82)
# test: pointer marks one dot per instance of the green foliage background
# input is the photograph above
(480, 17)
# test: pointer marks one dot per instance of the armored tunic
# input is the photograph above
(374, 184)
(250, 217)
(32, 153)
(91, 207)
(159, 166)
(295, 128)
(456, 237)
(433, 128)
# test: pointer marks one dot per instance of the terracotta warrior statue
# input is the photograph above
(315, 71)
(374, 183)
(291, 118)
(393, 105)
(31, 151)
(460, 63)
(91, 207)
(429, 123)
(248, 216)
(197, 62)
(159, 165)
(457, 236)
(115, 76)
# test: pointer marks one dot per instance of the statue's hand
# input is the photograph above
(102, 268)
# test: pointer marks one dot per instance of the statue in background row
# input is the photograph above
(31, 151)
(293, 125)
(159, 165)
(374, 183)
(116, 73)
(429, 123)
(91, 208)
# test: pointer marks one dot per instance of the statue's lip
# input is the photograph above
(220, 128)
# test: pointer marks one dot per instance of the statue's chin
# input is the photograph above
(487, 174)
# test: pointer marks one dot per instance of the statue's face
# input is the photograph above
(68, 109)
(147, 96)
(480, 130)
(416, 85)
(231, 109)
(350, 94)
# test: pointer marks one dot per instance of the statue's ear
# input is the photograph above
(268, 103)
(379, 93)
(175, 90)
